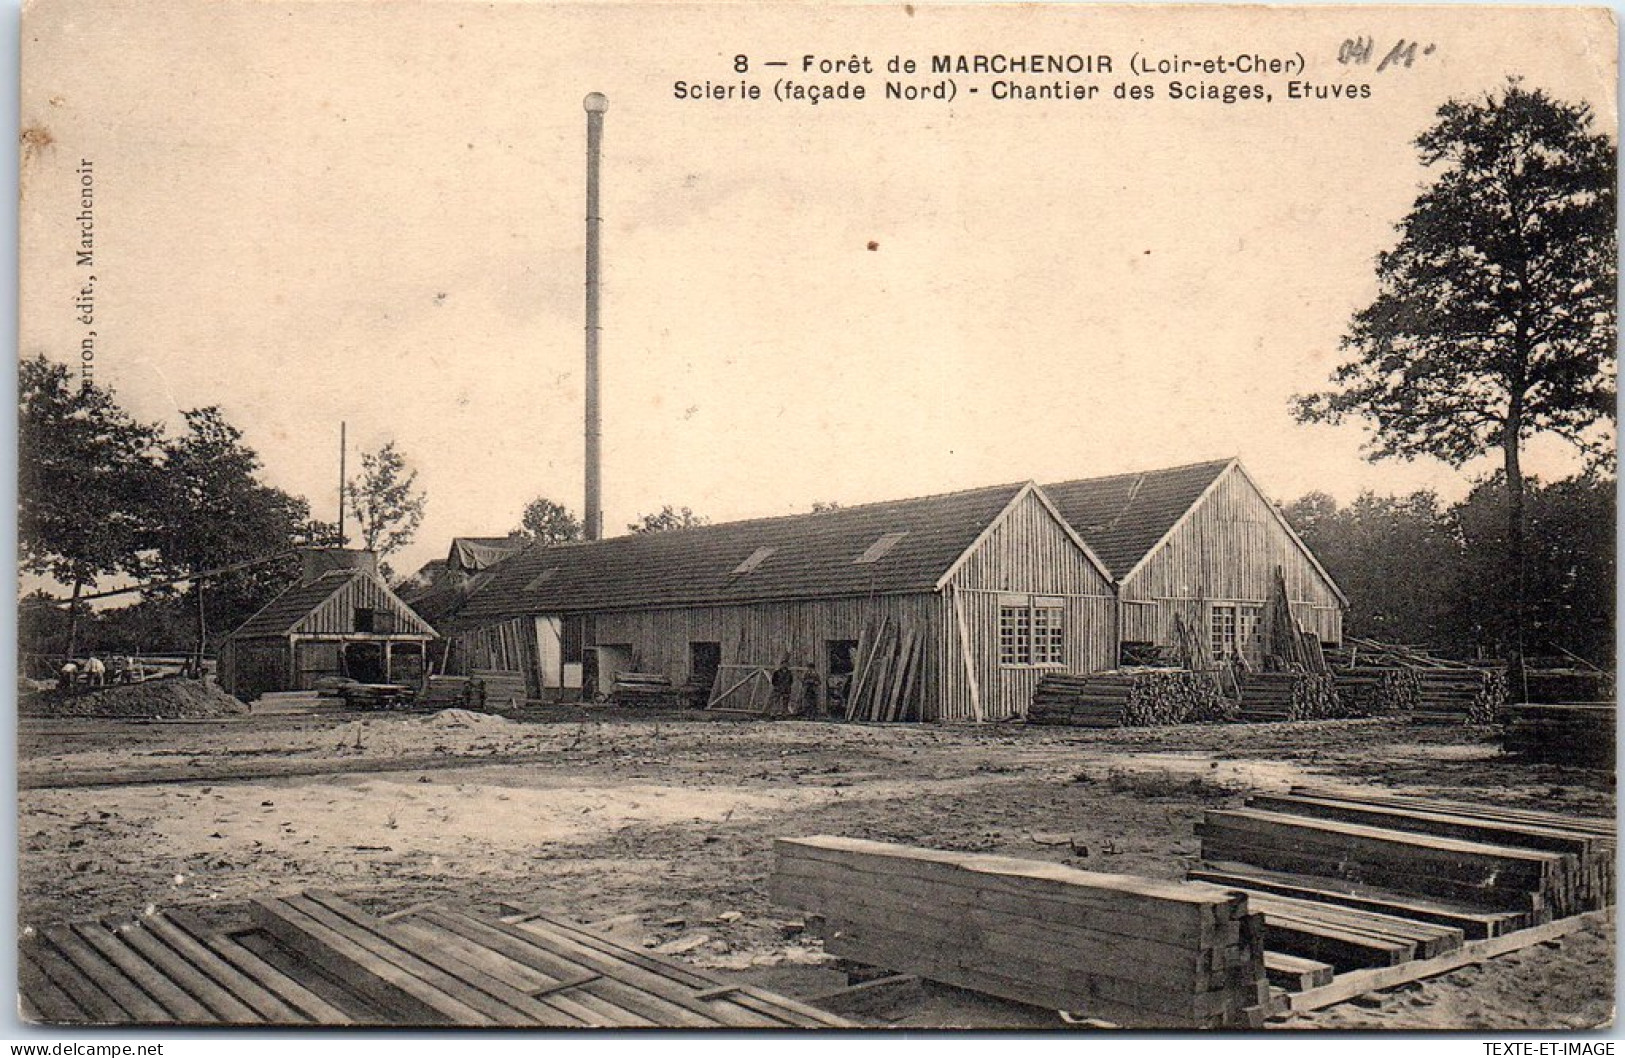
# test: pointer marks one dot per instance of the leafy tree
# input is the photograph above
(219, 513)
(666, 519)
(550, 523)
(86, 482)
(1390, 555)
(1495, 313)
(387, 503)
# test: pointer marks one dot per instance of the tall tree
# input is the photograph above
(666, 519)
(548, 522)
(86, 482)
(387, 502)
(219, 513)
(1495, 314)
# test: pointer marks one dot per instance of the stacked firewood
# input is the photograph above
(1373, 691)
(1289, 696)
(1141, 698)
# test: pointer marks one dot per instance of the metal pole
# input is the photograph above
(342, 447)
(595, 105)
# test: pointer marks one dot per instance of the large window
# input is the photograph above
(1234, 630)
(1032, 630)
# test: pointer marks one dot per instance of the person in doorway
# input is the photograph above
(783, 682)
(809, 692)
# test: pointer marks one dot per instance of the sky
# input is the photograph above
(319, 212)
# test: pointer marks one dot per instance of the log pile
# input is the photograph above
(1143, 698)
(1289, 696)
(1373, 691)
(1133, 951)
(1574, 733)
(1464, 695)
(653, 691)
(889, 683)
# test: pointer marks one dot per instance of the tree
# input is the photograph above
(1495, 313)
(86, 482)
(1395, 558)
(549, 523)
(824, 506)
(387, 504)
(667, 519)
(216, 513)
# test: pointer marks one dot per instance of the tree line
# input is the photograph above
(1420, 572)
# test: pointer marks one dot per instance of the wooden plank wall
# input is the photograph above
(763, 633)
(1228, 550)
(336, 616)
(1029, 553)
(508, 646)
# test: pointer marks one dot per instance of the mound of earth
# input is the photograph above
(169, 699)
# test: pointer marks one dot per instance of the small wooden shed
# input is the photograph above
(335, 622)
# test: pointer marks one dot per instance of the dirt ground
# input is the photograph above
(659, 829)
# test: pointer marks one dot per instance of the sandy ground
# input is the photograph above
(659, 829)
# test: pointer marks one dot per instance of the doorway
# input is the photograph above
(704, 659)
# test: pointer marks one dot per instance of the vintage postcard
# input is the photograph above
(701, 516)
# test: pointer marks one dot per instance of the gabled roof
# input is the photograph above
(1124, 516)
(279, 616)
(812, 555)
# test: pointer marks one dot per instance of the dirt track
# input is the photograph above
(655, 827)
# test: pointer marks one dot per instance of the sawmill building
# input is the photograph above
(991, 583)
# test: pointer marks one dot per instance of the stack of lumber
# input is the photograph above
(1463, 695)
(1289, 696)
(1141, 698)
(653, 690)
(889, 683)
(1134, 951)
(1370, 690)
(447, 692)
(1539, 873)
(497, 689)
(1556, 686)
(1575, 733)
(316, 958)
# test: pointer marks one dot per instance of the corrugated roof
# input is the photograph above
(813, 555)
(1122, 517)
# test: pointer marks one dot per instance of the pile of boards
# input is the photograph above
(1497, 868)
(1130, 698)
(495, 690)
(888, 682)
(650, 690)
(1557, 686)
(447, 692)
(1465, 695)
(1133, 951)
(1289, 696)
(317, 959)
(1574, 733)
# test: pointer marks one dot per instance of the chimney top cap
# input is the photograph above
(596, 103)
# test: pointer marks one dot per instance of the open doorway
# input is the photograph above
(841, 661)
(704, 659)
(364, 662)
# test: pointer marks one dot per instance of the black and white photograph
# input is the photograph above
(1049, 519)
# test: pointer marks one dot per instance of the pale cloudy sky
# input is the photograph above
(316, 212)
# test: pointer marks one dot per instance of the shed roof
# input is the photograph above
(790, 557)
(1124, 516)
(280, 616)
